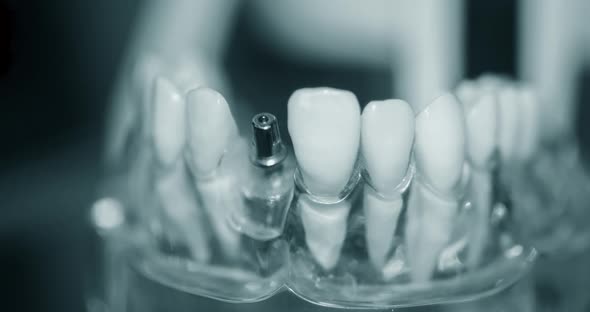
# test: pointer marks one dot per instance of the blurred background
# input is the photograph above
(58, 64)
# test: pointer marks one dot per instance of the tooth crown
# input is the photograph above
(509, 119)
(324, 124)
(440, 143)
(386, 140)
(481, 126)
(210, 127)
(168, 121)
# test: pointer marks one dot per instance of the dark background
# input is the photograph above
(58, 60)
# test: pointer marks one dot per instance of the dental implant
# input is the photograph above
(267, 186)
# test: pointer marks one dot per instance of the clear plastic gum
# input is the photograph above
(161, 246)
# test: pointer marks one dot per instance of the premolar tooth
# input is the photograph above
(324, 125)
(439, 153)
(387, 138)
(168, 121)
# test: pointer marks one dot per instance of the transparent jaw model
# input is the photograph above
(391, 220)
(395, 205)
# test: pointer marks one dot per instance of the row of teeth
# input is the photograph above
(328, 130)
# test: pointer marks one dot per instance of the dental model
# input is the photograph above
(172, 183)
(324, 125)
(439, 154)
(210, 129)
(481, 119)
(386, 142)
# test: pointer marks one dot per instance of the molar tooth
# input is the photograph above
(324, 125)
(387, 138)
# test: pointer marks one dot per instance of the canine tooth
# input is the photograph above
(439, 152)
(440, 143)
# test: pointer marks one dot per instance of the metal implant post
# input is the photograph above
(267, 147)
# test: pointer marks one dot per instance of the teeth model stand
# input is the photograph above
(210, 129)
(387, 137)
(439, 154)
(324, 125)
(172, 184)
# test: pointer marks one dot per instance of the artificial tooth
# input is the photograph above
(481, 119)
(440, 143)
(210, 130)
(481, 125)
(439, 153)
(386, 141)
(168, 121)
(324, 125)
(529, 125)
(172, 186)
(509, 115)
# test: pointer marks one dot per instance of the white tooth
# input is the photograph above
(529, 125)
(440, 143)
(481, 123)
(509, 115)
(387, 138)
(324, 125)
(168, 121)
(210, 127)
(439, 153)
(467, 92)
